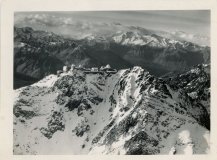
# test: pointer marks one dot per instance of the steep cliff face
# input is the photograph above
(196, 84)
(130, 112)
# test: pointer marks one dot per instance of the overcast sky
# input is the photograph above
(195, 22)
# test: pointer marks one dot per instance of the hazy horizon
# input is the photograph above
(188, 25)
(190, 21)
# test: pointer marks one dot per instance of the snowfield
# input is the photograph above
(130, 112)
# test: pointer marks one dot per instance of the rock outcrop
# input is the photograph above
(130, 112)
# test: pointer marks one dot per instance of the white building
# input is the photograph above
(72, 67)
(107, 66)
(79, 66)
(65, 69)
(59, 72)
(101, 68)
(94, 69)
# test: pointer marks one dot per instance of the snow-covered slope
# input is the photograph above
(130, 112)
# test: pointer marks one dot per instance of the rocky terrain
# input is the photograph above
(130, 112)
(39, 53)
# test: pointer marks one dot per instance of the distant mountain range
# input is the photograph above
(79, 28)
(38, 53)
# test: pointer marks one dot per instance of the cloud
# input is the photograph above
(77, 24)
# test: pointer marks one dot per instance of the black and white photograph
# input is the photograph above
(111, 82)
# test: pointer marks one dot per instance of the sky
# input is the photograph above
(190, 21)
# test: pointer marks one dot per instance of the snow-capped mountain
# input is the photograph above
(137, 36)
(129, 112)
(133, 38)
(180, 35)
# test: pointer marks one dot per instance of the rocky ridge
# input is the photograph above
(130, 112)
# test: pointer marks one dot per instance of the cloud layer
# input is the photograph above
(79, 24)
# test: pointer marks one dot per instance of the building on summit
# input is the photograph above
(94, 70)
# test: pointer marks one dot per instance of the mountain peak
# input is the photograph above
(107, 113)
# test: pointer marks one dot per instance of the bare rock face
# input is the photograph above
(81, 129)
(196, 84)
(55, 123)
(129, 112)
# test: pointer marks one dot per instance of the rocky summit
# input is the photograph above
(129, 112)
